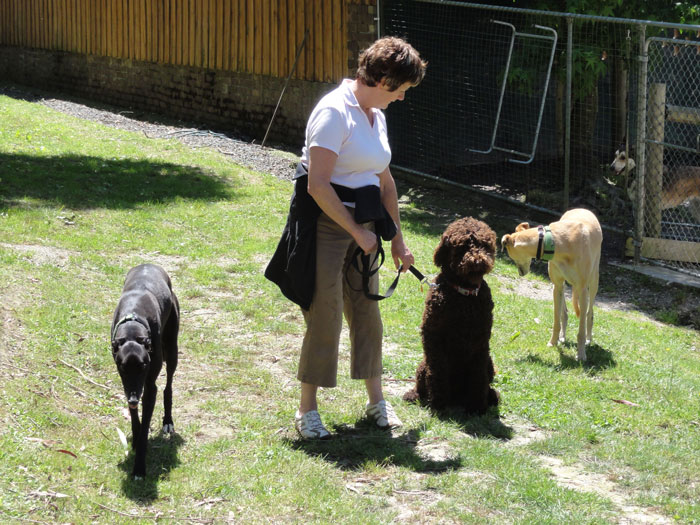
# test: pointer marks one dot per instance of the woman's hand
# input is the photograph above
(400, 253)
(367, 240)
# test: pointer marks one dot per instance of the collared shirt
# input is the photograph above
(339, 124)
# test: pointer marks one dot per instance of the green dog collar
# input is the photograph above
(545, 245)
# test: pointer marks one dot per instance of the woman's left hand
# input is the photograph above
(400, 253)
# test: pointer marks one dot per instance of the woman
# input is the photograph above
(347, 156)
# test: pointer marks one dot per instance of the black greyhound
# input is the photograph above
(144, 334)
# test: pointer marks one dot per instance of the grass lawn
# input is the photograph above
(614, 440)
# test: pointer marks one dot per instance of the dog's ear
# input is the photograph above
(522, 226)
(506, 241)
(441, 255)
(115, 347)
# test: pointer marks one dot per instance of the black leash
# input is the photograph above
(361, 262)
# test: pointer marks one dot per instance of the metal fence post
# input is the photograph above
(567, 118)
(641, 140)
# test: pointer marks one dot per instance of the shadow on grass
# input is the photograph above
(351, 448)
(488, 425)
(84, 182)
(597, 358)
(161, 458)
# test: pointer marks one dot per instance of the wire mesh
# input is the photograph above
(479, 113)
(672, 175)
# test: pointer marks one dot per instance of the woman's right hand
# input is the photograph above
(366, 239)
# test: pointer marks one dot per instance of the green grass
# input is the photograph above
(81, 203)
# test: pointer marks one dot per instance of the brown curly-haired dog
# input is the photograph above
(457, 369)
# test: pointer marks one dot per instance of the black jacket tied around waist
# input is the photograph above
(293, 265)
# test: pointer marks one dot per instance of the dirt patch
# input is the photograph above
(524, 433)
(41, 255)
(575, 477)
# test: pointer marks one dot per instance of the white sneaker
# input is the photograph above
(310, 426)
(383, 415)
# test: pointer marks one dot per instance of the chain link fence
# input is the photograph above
(533, 107)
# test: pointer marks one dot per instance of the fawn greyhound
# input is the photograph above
(680, 184)
(572, 246)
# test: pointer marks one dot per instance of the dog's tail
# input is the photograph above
(574, 299)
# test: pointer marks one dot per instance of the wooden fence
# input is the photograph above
(251, 36)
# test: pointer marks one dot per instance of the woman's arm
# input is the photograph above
(390, 200)
(321, 164)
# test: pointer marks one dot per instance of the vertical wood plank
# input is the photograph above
(40, 24)
(320, 31)
(266, 39)
(184, 31)
(93, 28)
(147, 24)
(257, 54)
(220, 29)
(192, 32)
(328, 31)
(172, 32)
(205, 33)
(250, 36)
(31, 15)
(242, 35)
(105, 23)
(301, 28)
(156, 35)
(338, 40)
(274, 37)
(143, 28)
(226, 36)
(116, 30)
(85, 25)
(79, 20)
(28, 16)
(71, 26)
(151, 31)
(233, 36)
(175, 34)
(283, 39)
(309, 23)
(210, 42)
(198, 36)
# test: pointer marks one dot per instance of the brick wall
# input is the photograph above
(222, 100)
(362, 25)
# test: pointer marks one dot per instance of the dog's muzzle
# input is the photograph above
(133, 401)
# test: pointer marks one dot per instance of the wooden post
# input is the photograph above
(655, 159)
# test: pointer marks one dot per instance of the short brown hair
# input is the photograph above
(392, 59)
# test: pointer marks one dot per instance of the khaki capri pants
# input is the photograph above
(333, 297)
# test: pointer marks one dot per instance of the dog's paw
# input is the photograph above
(169, 428)
(138, 478)
(411, 396)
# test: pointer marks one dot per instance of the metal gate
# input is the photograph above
(492, 117)
(668, 208)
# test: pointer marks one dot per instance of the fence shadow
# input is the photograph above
(161, 458)
(84, 182)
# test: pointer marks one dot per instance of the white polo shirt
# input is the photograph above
(339, 124)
